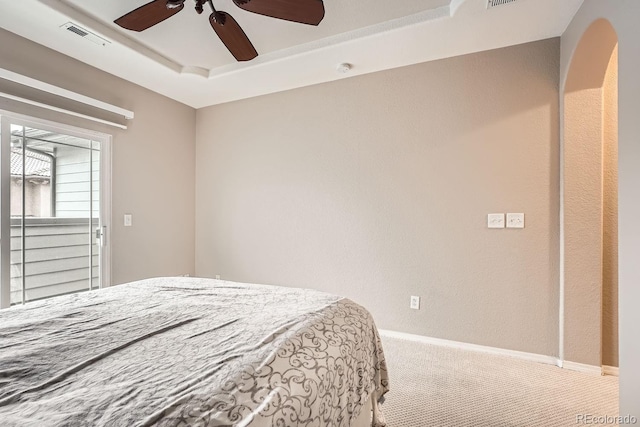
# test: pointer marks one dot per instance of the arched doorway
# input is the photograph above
(589, 325)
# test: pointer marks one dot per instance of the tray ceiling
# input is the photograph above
(183, 59)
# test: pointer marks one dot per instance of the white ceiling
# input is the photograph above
(183, 59)
(188, 39)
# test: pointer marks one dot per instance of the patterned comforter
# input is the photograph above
(189, 352)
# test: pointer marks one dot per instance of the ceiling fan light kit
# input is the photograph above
(309, 12)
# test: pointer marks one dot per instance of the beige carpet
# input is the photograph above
(439, 386)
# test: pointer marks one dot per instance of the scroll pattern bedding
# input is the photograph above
(189, 352)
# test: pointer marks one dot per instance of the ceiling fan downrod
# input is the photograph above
(217, 16)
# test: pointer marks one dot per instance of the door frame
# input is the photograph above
(6, 119)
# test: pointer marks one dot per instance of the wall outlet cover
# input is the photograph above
(495, 220)
(415, 303)
(515, 220)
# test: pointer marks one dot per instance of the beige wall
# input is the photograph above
(153, 161)
(377, 187)
(589, 218)
(610, 214)
(623, 16)
(583, 227)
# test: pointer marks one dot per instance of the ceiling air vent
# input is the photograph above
(85, 34)
(494, 3)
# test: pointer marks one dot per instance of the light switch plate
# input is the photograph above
(495, 220)
(515, 220)
(128, 220)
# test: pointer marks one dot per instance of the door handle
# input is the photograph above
(101, 235)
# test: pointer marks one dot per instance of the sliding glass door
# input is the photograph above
(53, 228)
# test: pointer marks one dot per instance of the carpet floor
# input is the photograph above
(439, 386)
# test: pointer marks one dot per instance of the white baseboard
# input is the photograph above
(532, 357)
(581, 367)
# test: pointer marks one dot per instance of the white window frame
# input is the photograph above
(7, 118)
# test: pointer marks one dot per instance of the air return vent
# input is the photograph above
(494, 3)
(85, 34)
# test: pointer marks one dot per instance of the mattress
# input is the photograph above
(190, 352)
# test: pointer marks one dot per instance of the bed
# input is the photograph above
(191, 352)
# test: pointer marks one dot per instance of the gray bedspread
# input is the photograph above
(189, 352)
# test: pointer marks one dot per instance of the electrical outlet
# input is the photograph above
(415, 303)
(515, 220)
(218, 276)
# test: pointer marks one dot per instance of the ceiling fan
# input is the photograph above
(234, 38)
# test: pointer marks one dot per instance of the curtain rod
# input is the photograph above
(55, 90)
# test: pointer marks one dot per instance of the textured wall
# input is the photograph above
(623, 16)
(583, 226)
(610, 215)
(590, 199)
(377, 187)
(152, 162)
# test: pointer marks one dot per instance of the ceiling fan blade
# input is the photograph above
(303, 11)
(232, 36)
(147, 16)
